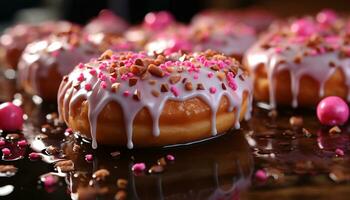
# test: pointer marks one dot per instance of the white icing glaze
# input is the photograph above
(99, 97)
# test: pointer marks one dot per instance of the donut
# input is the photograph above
(15, 39)
(114, 42)
(44, 63)
(106, 22)
(171, 41)
(230, 38)
(153, 23)
(300, 61)
(139, 100)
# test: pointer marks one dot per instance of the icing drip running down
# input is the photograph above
(136, 81)
(311, 46)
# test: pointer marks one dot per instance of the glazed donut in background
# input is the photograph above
(302, 60)
(258, 19)
(14, 39)
(153, 23)
(44, 63)
(171, 41)
(113, 42)
(230, 38)
(135, 100)
(106, 22)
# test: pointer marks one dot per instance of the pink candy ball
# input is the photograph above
(158, 20)
(303, 27)
(11, 117)
(326, 16)
(332, 111)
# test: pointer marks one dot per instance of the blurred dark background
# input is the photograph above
(80, 11)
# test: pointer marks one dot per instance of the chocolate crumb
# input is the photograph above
(334, 130)
(137, 95)
(184, 80)
(115, 87)
(76, 148)
(8, 169)
(174, 79)
(200, 86)
(138, 62)
(297, 59)
(155, 169)
(221, 75)
(132, 81)
(101, 174)
(122, 183)
(164, 87)
(115, 154)
(64, 166)
(273, 113)
(52, 150)
(155, 93)
(296, 121)
(307, 133)
(188, 86)
(223, 86)
(331, 64)
(161, 161)
(120, 195)
(152, 82)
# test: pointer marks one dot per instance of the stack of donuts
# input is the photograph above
(163, 82)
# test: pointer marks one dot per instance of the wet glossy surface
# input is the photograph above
(300, 163)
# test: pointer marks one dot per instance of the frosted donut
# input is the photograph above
(230, 38)
(44, 63)
(301, 61)
(106, 22)
(14, 39)
(134, 100)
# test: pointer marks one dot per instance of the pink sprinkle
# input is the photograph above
(113, 80)
(69, 131)
(2, 142)
(278, 50)
(339, 152)
(126, 93)
(55, 53)
(231, 81)
(22, 143)
(138, 167)
(102, 77)
(170, 157)
(174, 90)
(124, 77)
(49, 181)
(88, 87)
(195, 76)
(212, 90)
(93, 72)
(261, 175)
(89, 157)
(102, 66)
(34, 156)
(81, 65)
(210, 74)
(103, 85)
(6, 151)
(81, 78)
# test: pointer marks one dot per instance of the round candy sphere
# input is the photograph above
(11, 117)
(332, 111)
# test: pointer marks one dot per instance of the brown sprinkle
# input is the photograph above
(51, 150)
(174, 79)
(137, 95)
(156, 169)
(188, 86)
(334, 130)
(297, 59)
(155, 71)
(8, 169)
(145, 75)
(331, 64)
(76, 148)
(132, 81)
(115, 87)
(64, 166)
(120, 195)
(164, 87)
(65, 78)
(161, 161)
(136, 69)
(152, 82)
(223, 86)
(200, 86)
(273, 113)
(139, 62)
(155, 93)
(215, 68)
(106, 55)
(122, 183)
(296, 121)
(221, 75)
(184, 80)
(306, 133)
(100, 174)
